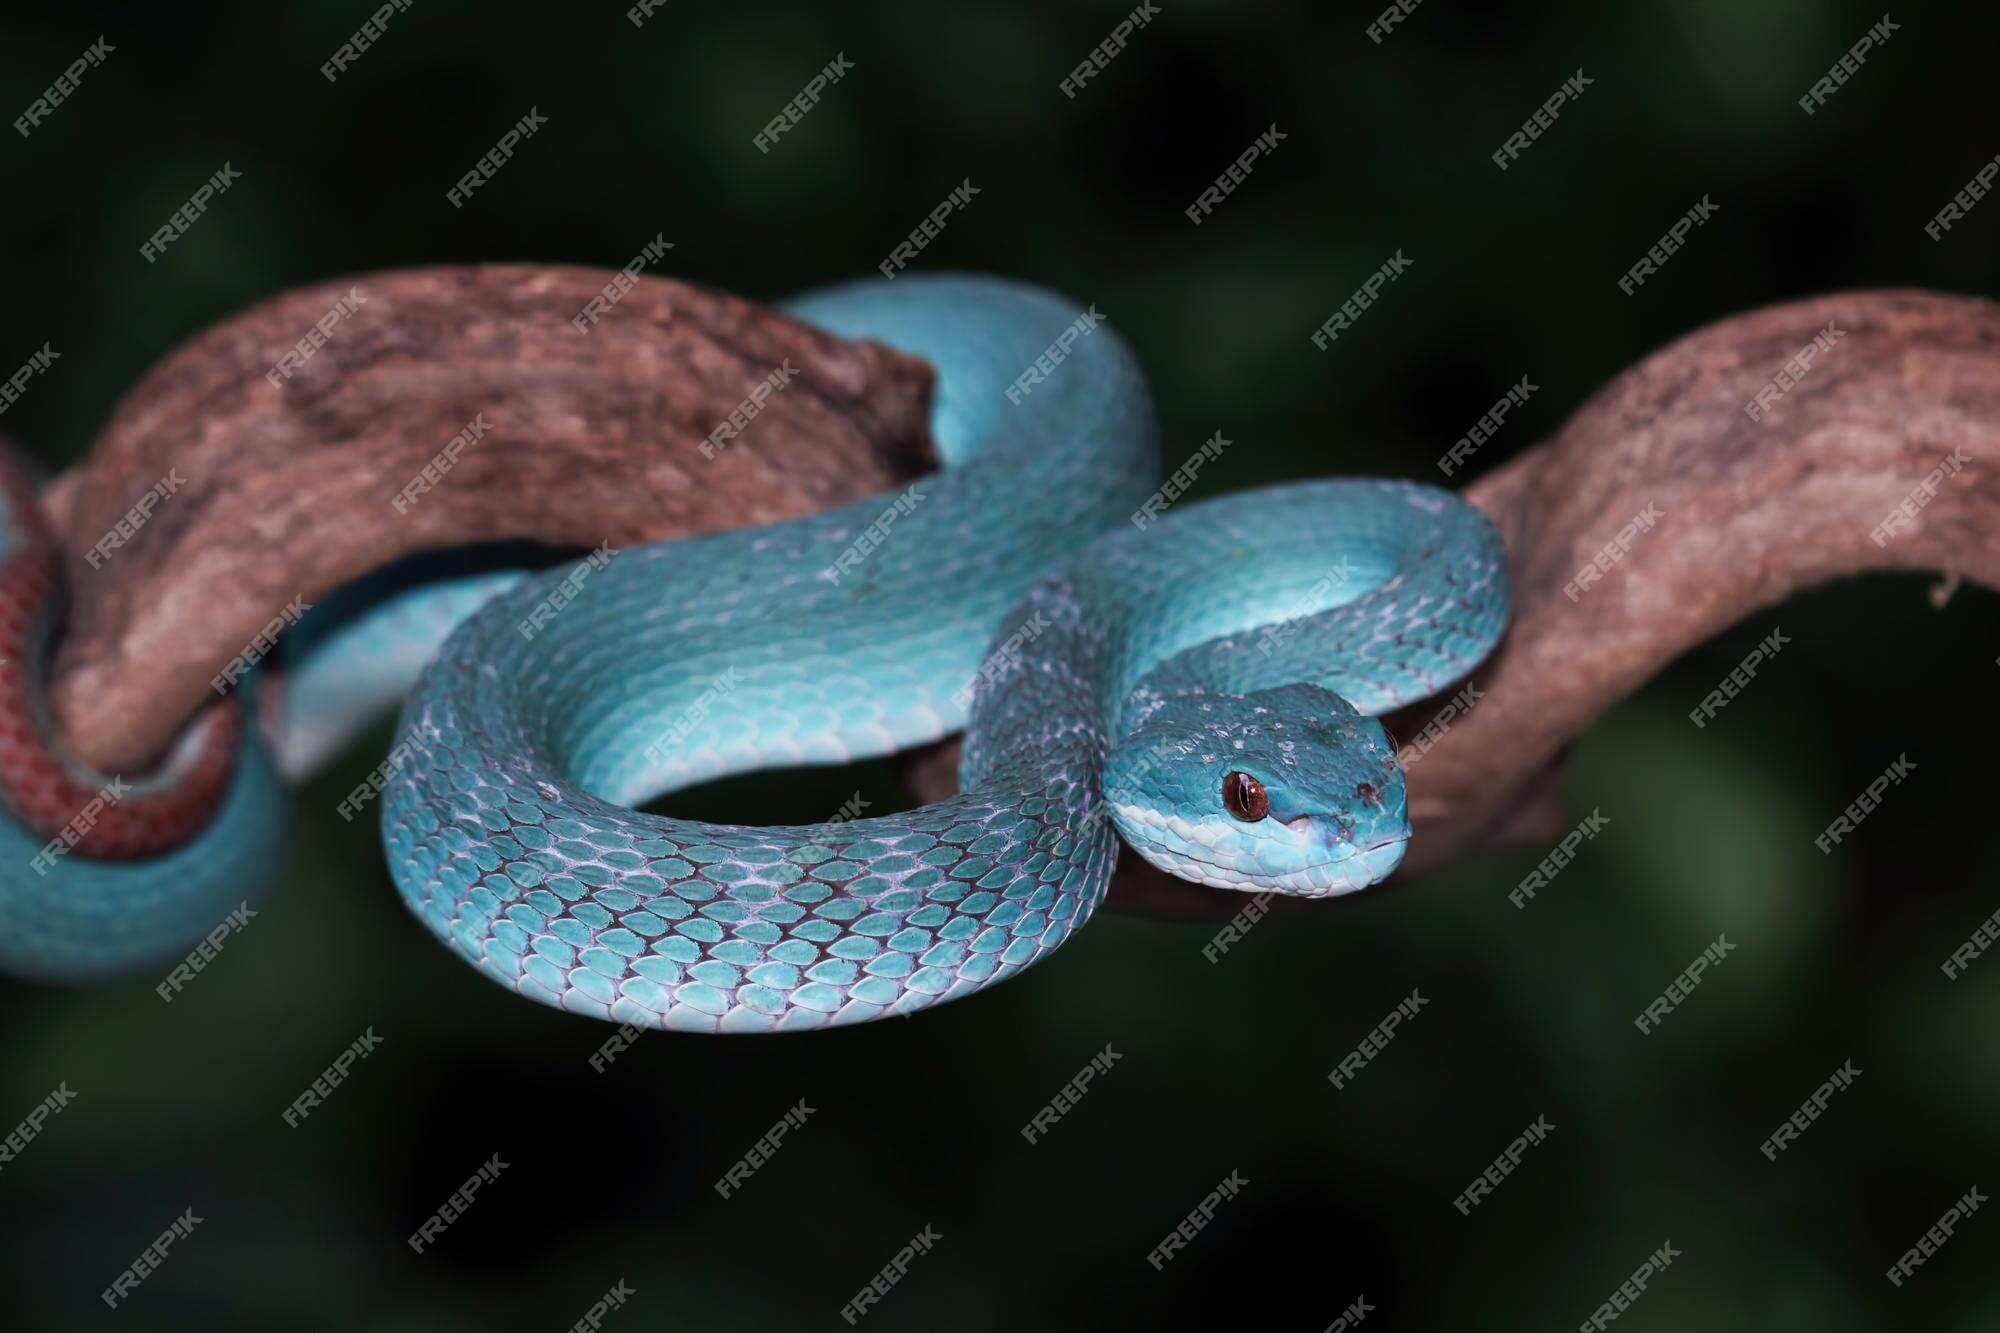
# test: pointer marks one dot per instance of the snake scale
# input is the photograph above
(1203, 688)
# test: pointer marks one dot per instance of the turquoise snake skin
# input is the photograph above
(1119, 678)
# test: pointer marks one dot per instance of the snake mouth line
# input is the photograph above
(1306, 869)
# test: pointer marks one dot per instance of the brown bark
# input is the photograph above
(590, 436)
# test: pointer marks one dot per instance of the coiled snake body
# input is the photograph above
(1203, 685)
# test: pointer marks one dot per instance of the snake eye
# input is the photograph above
(1364, 791)
(1245, 798)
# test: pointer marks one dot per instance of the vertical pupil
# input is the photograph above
(1244, 796)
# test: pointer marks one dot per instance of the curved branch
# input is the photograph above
(443, 407)
(1903, 406)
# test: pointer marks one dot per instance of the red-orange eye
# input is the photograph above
(1244, 796)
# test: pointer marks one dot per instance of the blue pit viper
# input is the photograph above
(1204, 686)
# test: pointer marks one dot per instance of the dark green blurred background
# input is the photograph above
(1225, 1065)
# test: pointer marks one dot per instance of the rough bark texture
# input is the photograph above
(591, 435)
(1752, 512)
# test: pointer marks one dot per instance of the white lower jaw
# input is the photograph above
(1324, 881)
(1327, 880)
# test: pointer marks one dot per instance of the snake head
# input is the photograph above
(1288, 790)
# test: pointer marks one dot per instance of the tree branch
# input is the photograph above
(588, 434)
(1751, 512)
